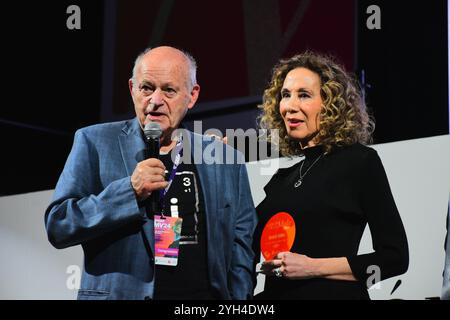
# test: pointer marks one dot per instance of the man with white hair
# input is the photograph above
(101, 199)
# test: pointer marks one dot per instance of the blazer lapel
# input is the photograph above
(132, 145)
(133, 149)
(208, 181)
(209, 177)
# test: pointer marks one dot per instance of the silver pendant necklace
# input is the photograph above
(300, 180)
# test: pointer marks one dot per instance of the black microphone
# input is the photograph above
(153, 132)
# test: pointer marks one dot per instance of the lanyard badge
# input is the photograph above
(167, 240)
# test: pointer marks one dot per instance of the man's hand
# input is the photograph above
(224, 139)
(147, 177)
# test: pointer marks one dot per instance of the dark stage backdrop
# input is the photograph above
(59, 80)
(235, 43)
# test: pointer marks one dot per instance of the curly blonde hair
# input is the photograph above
(343, 119)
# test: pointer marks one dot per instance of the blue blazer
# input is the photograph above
(94, 205)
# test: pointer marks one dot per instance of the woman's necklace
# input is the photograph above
(300, 180)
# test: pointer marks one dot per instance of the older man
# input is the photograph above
(100, 200)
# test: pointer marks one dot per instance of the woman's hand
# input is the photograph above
(296, 266)
(290, 265)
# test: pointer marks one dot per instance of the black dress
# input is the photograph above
(342, 191)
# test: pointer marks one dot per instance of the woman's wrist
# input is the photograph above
(318, 268)
(331, 268)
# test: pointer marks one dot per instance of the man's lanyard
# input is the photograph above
(176, 163)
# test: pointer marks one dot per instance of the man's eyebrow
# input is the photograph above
(146, 82)
(170, 84)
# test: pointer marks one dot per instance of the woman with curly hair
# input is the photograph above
(314, 214)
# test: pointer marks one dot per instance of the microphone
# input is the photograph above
(153, 132)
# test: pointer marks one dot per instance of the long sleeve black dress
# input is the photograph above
(342, 191)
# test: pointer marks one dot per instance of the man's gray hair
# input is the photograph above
(190, 58)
